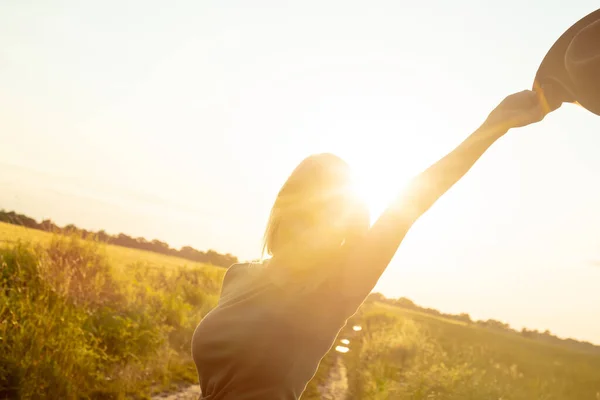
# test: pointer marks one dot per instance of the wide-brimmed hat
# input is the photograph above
(570, 71)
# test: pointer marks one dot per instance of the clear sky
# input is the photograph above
(180, 120)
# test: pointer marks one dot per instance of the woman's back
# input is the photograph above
(262, 341)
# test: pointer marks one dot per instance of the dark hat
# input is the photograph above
(570, 72)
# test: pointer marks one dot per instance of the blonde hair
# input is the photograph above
(320, 186)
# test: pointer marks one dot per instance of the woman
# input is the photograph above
(277, 319)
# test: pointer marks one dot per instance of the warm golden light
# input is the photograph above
(357, 328)
(377, 186)
(345, 341)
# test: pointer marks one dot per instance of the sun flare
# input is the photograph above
(375, 187)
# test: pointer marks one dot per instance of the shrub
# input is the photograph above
(73, 327)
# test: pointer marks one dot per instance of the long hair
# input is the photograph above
(315, 213)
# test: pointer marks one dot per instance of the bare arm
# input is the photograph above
(369, 257)
(383, 239)
(431, 184)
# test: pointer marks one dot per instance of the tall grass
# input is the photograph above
(71, 326)
(76, 325)
(405, 356)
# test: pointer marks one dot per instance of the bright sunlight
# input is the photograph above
(376, 187)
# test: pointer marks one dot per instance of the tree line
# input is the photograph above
(545, 336)
(121, 239)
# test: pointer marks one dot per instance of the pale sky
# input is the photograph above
(180, 120)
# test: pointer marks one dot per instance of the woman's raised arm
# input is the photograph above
(370, 255)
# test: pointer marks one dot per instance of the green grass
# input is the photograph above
(82, 320)
(403, 354)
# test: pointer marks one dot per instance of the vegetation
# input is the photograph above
(73, 326)
(156, 246)
(545, 336)
(402, 354)
(85, 320)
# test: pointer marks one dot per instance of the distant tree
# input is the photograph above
(187, 252)
(160, 247)
(492, 323)
(464, 317)
(48, 226)
(376, 297)
(71, 229)
(12, 217)
(102, 236)
(406, 303)
(125, 241)
(190, 253)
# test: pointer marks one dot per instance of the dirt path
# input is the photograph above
(334, 389)
(336, 386)
(188, 393)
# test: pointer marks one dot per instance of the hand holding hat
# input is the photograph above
(569, 73)
(517, 110)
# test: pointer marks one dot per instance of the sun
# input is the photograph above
(375, 186)
(379, 176)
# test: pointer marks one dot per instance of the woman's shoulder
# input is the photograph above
(238, 272)
(241, 268)
(234, 271)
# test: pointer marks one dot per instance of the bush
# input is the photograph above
(43, 344)
(73, 327)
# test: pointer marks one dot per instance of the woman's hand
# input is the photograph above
(517, 110)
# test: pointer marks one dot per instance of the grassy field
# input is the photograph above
(80, 320)
(118, 256)
(403, 354)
